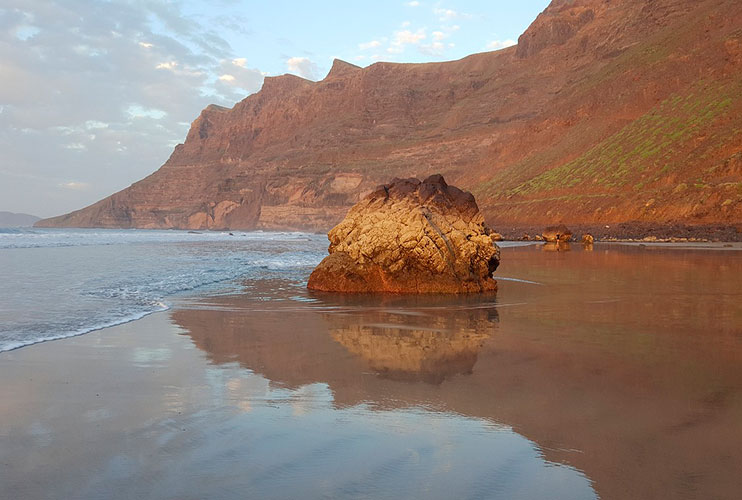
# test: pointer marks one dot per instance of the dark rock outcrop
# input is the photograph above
(410, 237)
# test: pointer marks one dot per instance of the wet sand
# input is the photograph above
(611, 373)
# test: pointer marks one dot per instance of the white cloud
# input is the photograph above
(369, 45)
(403, 38)
(428, 43)
(95, 124)
(167, 65)
(445, 14)
(303, 67)
(79, 107)
(407, 37)
(76, 186)
(500, 44)
(414, 3)
(236, 78)
(139, 111)
(437, 47)
(397, 43)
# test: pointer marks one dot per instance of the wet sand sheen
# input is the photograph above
(137, 412)
(611, 373)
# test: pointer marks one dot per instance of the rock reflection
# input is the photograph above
(556, 246)
(401, 342)
(400, 338)
(644, 379)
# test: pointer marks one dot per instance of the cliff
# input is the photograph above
(605, 112)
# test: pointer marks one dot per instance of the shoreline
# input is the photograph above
(621, 231)
(665, 244)
(86, 331)
(711, 246)
(631, 231)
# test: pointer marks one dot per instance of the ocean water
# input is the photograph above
(604, 372)
(58, 283)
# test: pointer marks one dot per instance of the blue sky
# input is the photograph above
(95, 94)
(363, 32)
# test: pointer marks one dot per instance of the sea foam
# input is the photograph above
(62, 283)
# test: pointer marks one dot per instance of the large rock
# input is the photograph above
(410, 237)
(554, 234)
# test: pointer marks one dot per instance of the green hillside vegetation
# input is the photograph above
(642, 152)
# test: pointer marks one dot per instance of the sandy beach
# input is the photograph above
(138, 411)
(562, 385)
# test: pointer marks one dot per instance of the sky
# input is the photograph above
(94, 95)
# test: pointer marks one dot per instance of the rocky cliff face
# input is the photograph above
(605, 112)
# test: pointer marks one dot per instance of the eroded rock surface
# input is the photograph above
(411, 237)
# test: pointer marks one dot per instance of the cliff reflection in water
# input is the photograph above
(399, 338)
(622, 362)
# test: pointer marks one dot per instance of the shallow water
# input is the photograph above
(612, 373)
(58, 283)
